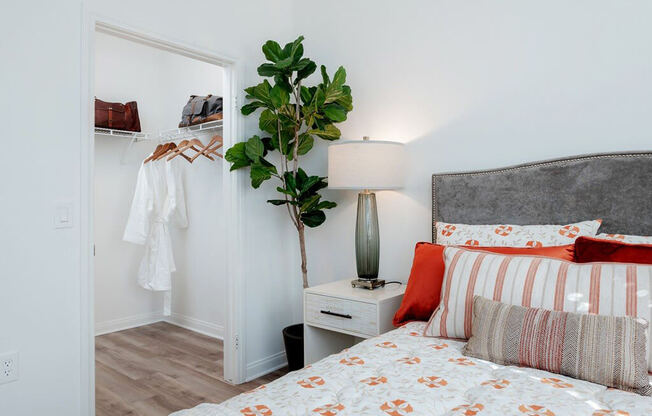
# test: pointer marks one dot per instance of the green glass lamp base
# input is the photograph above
(367, 242)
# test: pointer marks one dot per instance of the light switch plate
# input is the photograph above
(63, 215)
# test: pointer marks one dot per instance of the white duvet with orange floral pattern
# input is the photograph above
(402, 373)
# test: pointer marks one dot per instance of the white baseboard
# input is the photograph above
(121, 324)
(196, 325)
(266, 365)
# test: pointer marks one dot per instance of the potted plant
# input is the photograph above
(292, 116)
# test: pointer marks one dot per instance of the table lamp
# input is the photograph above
(366, 165)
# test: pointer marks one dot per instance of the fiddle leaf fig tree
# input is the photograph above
(292, 116)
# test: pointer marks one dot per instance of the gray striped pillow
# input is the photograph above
(607, 350)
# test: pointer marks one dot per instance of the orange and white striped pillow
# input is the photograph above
(613, 289)
(505, 235)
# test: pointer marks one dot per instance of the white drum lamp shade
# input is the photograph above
(366, 164)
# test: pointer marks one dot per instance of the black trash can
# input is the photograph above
(293, 339)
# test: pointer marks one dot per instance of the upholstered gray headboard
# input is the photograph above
(616, 187)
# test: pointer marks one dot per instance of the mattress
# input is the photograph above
(403, 373)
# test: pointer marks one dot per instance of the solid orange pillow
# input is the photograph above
(589, 250)
(427, 274)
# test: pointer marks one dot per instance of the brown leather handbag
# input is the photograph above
(117, 116)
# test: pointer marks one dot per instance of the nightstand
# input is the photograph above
(336, 316)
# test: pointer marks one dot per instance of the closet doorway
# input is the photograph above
(151, 339)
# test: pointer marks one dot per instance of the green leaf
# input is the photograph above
(237, 157)
(272, 51)
(307, 184)
(319, 185)
(313, 218)
(319, 123)
(268, 165)
(307, 94)
(268, 70)
(294, 49)
(261, 91)
(259, 174)
(335, 112)
(284, 63)
(301, 178)
(330, 132)
(326, 205)
(280, 96)
(306, 142)
(282, 81)
(346, 100)
(290, 183)
(319, 98)
(277, 201)
(269, 146)
(283, 145)
(268, 121)
(254, 148)
(285, 191)
(339, 78)
(324, 76)
(251, 107)
(298, 66)
(310, 203)
(306, 71)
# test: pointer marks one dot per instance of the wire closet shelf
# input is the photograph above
(164, 136)
(170, 135)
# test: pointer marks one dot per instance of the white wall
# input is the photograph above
(40, 50)
(161, 83)
(39, 300)
(473, 85)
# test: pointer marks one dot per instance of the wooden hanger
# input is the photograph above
(182, 147)
(213, 150)
(167, 149)
(199, 151)
(160, 149)
(215, 143)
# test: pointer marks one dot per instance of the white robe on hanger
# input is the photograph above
(158, 202)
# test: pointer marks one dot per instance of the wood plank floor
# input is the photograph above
(157, 369)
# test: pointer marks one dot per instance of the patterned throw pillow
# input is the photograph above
(513, 235)
(612, 289)
(427, 274)
(631, 239)
(607, 350)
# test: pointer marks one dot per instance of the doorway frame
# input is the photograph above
(232, 197)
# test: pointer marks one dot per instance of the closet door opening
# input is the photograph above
(162, 282)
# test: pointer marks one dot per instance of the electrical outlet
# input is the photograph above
(8, 367)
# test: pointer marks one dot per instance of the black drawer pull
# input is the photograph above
(341, 315)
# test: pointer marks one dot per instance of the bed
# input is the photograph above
(404, 373)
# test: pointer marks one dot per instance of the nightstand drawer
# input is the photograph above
(342, 314)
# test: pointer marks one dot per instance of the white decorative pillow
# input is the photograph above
(505, 235)
(612, 289)
(631, 239)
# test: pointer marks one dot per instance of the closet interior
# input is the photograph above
(160, 189)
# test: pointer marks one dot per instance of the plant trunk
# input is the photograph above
(304, 263)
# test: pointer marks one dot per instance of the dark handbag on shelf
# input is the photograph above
(117, 116)
(201, 109)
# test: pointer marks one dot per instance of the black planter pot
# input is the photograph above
(293, 339)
